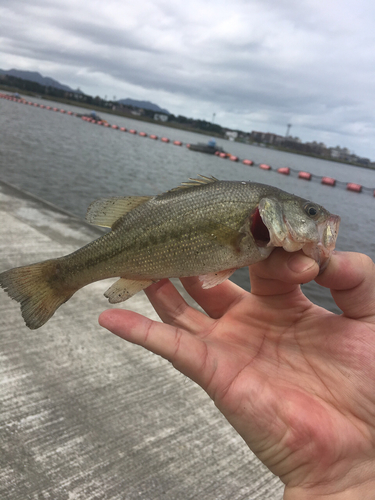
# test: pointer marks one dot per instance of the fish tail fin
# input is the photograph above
(39, 289)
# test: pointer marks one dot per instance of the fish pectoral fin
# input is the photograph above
(123, 289)
(106, 211)
(212, 279)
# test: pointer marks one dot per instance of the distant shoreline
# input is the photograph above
(174, 125)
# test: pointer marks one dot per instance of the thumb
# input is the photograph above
(351, 278)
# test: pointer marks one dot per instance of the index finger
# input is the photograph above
(282, 273)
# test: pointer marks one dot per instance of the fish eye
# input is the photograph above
(311, 210)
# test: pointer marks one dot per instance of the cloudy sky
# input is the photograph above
(256, 64)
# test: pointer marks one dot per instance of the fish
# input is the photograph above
(205, 227)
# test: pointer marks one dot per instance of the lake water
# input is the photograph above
(70, 163)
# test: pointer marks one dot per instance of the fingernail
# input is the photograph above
(300, 263)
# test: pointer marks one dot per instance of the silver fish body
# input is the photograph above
(205, 228)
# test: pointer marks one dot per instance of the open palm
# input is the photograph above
(296, 381)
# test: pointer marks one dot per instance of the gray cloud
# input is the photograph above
(258, 64)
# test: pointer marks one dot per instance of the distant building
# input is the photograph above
(267, 138)
(231, 135)
(161, 117)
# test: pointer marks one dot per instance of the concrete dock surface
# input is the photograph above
(85, 415)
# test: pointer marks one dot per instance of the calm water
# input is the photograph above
(70, 163)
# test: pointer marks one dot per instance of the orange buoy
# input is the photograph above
(164, 139)
(132, 131)
(264, 166)
(153, 136)
(329, 181)
(284, 170)
(142, 134)
(177, 143)
(305, 175)
(248, 162)
(233, 158)
(352, 186)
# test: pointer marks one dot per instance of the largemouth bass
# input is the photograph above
(205, 227)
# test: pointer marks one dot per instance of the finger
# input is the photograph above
(216, 300)
(187, 353)
(174, 310)
(351, 278)
(282, 272)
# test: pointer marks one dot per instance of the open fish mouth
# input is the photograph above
(259, 230)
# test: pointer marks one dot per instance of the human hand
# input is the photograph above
(296, 381)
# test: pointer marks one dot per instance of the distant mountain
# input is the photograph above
(34, 76)
(143, 105)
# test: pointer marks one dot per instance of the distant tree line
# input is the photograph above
(81, 98)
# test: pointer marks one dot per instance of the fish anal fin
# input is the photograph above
(212, 279)
(106, 211)
(124, 288)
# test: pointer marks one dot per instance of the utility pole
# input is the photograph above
(213, 118)
(288, 129)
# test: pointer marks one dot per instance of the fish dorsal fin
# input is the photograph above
(106, 211)
(196, 182)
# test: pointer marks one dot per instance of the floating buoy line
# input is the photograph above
(307, 176)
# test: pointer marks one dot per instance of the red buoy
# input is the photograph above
(351, 186)
(305, 175)
(264, 166)
(115, 127)
(329, 181)
(164, 139)
(142, 134)
(123, 129)
(177, 143)
(153, 136)
(223, 155)
(132, 131)
(248, 162)
(284, 170)
(233, 158)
